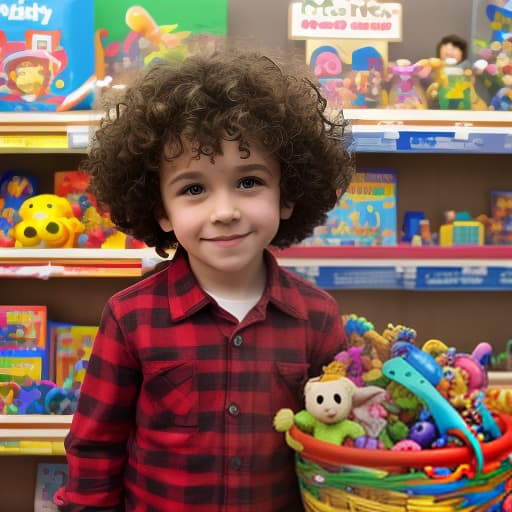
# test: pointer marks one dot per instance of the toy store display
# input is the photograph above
(347, 48)
(395, 423)
(367, 215)
(42, 362)
(67, 218)
(98, 229)
(47, 59)
(58, 55)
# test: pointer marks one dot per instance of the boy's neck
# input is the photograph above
(246, 284)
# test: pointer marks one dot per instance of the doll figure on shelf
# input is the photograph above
(405, 90)
(452, 80)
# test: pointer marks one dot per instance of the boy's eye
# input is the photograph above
(249, 182)
(194, 190)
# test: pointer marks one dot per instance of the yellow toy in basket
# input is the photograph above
(436, 447)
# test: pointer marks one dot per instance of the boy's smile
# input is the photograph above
(224, 213)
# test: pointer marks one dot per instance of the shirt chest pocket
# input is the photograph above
(288, 385)
(169, 396)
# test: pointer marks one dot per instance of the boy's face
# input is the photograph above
(225, 212)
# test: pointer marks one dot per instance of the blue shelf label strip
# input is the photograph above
(433, 142)
(408, 278)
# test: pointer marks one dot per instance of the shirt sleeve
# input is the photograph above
(102, 423)
(330, 339)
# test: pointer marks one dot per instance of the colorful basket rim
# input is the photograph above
(328, 453)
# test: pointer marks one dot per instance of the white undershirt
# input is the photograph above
(238, 308)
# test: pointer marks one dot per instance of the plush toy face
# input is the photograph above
(329, 401)
(47, 219)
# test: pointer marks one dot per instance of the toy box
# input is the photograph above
(365, 215)
(22, 327)
(50, 477)
(501, 212)
(132, 35)
(23, 348)
(71, 346)
(47, 58)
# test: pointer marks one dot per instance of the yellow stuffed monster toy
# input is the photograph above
(47, 220)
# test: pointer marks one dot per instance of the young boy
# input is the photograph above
(219, 157)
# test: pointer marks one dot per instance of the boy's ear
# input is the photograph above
(286, 211)
(165, 224)
(163, 220)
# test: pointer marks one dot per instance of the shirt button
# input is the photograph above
(237, 340)
(234, 410)
(236, 463)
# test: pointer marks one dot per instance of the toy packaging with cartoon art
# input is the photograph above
(71, 346)
(23, 345)
(131, 35)
(366, 214)
(47, 59)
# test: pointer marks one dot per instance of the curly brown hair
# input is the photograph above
(207, 98)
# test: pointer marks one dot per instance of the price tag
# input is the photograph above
(47, 141)
(78, 137)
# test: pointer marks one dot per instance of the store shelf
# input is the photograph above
(347, 267)
(46, 263)
(484, 268)
(373, 130)
(47, 132)
(430, 131)
(33, 434)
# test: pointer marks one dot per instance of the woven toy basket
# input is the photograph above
(346, 479)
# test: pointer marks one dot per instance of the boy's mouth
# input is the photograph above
(227, 241)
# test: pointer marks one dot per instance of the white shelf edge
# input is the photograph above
(35, 419)
(65, 118)
(28, 434)
(453, 116)
(89, 254)
(378, 114)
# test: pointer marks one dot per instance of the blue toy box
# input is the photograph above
(366, 214)
(47, 58)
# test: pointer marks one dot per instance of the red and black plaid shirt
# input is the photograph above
(175, 413)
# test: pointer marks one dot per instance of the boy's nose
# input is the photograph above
(225, 211)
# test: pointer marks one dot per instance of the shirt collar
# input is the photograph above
(186, 296)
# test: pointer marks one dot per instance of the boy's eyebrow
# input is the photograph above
(252, 167)
(194, 175)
